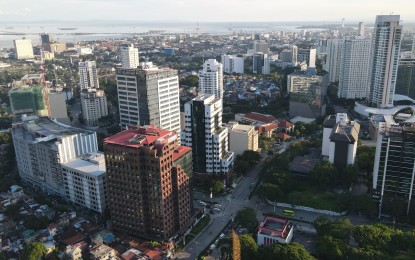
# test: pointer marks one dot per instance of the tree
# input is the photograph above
(12, 211)
(339, 229)
(249, 248)
(348, 175)
(240, 166)
(376, 236)
(365, 158)
(331, 248)
(217, 187)
(323, 174)
(270, 191)
(34, 251)
(291, 251)
(246, 217)
(191, 81)
(32, 222)
(366, 254)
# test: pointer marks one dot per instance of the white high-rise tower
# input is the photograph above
(334, 47)
(88, 78)
(129, 56)
(386, 42)
(211, 79)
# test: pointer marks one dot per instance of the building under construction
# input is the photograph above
(28, 99)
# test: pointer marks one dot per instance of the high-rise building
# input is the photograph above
(149, 96)
(261, 46)
(354, 69)
(386, 42)
(94, 106)
(26, 99)
(84, 181)
(242, 138)
(211, 79)
(57, 107)
(233, 64)
(43, 145)
(307, 55)
(24, 49)
(343, 22)
(361, 30)
(307, 93)
(260, 63)
(413, 48)
(88, 75)
(46, 38)
(290, 55)
(405, 84)
(334, 47)
(148, 183)
(129, 56)
(208, 139)
(394, 167)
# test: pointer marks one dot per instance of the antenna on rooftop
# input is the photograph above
(197, 28)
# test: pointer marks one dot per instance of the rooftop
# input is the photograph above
(345, 132)
(260, 117)
(91, 164)
(274, 227)
(180, 151)
(242, 128)
(141, 136)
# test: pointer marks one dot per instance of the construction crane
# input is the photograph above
(43, 79)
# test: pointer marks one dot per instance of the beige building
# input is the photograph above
(24, 49)
(46, 55)
(94, 106)
(242, 138)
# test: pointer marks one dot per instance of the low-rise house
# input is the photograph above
(274, 230)
(103, 252)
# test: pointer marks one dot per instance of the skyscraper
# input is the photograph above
(334, 47)
(149, 96)
(307, 55)
(149, 183)
(88, 77)
(386, 42)
(211, 79)
(405, 84)
(232, 64)
(413, 48)
(361, 30)
(129, 56)
(354, 69)
(94, 106)
(260, 63)
(261, 46)
(207, 137)
(24, 49)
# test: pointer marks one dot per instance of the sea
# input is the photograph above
(99, 30)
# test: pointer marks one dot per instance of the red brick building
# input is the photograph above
(149, 183)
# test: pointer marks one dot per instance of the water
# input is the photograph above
(105, 29)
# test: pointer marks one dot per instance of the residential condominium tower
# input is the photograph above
(129, 56)
(211, 79)
(386, 42)
(149, 96)
(88, 77)
(354, 69)
(334, 47)
(233, 64)
(148, 183)
(94, 106)
(205, 134)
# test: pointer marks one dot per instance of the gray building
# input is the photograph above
(57, 107)
(405, 84)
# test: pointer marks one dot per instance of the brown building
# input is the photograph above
(149, 183)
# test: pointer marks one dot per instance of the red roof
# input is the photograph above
(180, 151)
(285, 124)
(266, 128)
(260, 117)
(140, 136)
(283, 136)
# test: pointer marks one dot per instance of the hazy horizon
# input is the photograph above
(202, 11)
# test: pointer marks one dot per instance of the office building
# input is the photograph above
(334, 50)
(307, 55)
(42, 145)
(354, 69)
(46, 38)
(274, 230)
(84, 181)
(261, 46)
(148, 183)
(129, 56)
(149, 96)
(260, 63)
(405, 83)
(24, 49)
(290, 55)
(94, 106)
(233, 64)
(394, 167)
(340, 136)
(211, 79)
(361, 30)
(56, 47)
(242, 138)
(208, 139)
(307, 93)
(386, 42)
(88, 75)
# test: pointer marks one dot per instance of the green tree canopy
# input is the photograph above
(376, 236)
(331, 248)
(249, 248)
(246, 217)
(217, 187)
(34, 251)
(291, 251)
(323, 174)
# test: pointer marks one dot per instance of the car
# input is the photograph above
(212, 246)
(222, 236)
(201, 203)
(217, 241)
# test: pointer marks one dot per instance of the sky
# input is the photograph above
(205, 10)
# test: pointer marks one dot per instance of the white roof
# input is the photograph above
(91, 164)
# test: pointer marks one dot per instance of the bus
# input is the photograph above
(288, 212)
